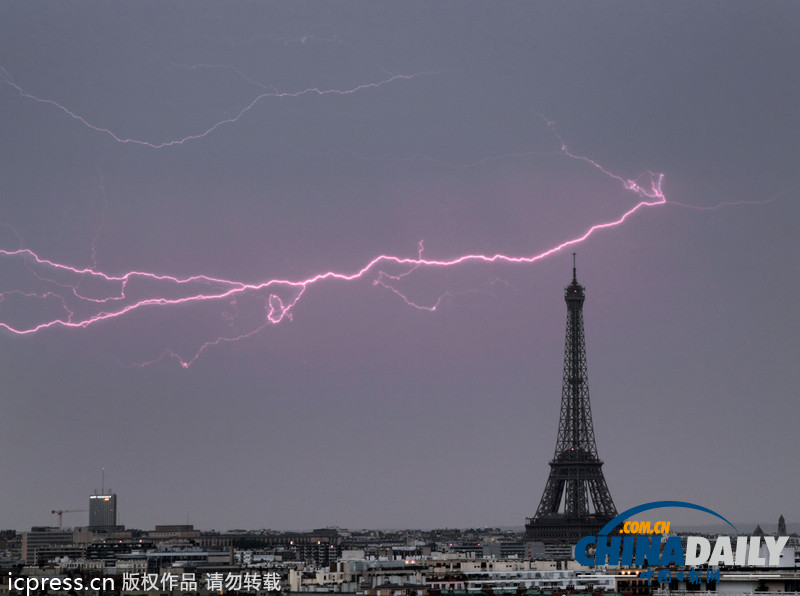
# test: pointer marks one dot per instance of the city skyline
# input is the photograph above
(269, 142)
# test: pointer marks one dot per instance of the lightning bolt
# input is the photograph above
(5, 78)
(85, 297)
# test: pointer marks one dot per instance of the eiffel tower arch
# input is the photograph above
(576, 501)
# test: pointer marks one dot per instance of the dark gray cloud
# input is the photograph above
(361, 410)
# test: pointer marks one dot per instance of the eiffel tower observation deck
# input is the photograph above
(576, 501)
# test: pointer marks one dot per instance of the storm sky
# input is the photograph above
(255, 141)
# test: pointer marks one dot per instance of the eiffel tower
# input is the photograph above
(576, 501)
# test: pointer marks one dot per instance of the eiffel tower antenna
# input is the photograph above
(576, 501)
(574, 269)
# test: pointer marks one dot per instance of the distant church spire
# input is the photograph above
(781, 526)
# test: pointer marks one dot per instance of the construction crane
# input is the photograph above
(61, 512)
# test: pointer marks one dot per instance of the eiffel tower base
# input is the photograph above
(577, 481)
